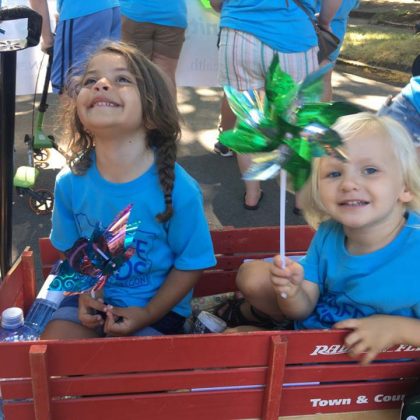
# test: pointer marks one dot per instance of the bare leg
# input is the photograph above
(228, 119)
(252, 188)
(168, 66)
(66, 330)
(327, 95)
(253, 280)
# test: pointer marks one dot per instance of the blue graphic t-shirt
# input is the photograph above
(183, 242)
(385, 281)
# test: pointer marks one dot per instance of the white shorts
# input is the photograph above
(244, 61)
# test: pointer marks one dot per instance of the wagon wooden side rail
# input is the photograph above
(231, 246)
(217, 376)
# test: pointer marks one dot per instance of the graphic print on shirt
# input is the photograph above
(331, 308)
(136, 271)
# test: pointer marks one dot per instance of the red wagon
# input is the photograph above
(216, 376)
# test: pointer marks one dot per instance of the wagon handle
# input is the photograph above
(34, 27)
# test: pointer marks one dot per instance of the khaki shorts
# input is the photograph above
(244, 61)
(151, 38)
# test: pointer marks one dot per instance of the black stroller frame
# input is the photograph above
(8, 50)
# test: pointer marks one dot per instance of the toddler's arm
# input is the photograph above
(124, 321)
(375, 333)
(295, 296)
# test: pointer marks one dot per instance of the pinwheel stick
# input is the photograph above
(283, 182)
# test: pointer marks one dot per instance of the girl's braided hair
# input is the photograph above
(161, 119)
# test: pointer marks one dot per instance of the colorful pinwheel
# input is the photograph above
(90, 262)
(287, 129)
(290, 121)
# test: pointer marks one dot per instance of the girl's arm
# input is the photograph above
(295, 296)
(373, 334)
(176, 286)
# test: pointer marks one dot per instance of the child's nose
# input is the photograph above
(102, 84)
(349, 183)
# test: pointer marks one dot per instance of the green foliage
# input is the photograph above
(381, 46)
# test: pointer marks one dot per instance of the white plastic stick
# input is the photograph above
(283, 182)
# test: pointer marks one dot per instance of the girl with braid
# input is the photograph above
(123, 128)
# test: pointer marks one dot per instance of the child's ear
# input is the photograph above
(406, 195)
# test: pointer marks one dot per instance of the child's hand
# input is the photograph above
(125, 321)
(286, 281)
(370, 335)
(88, 308)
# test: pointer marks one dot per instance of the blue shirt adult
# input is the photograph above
(339, 24)
(71, 9)
(385, 281)
(183, 242)
(280, 24)
(160, 12)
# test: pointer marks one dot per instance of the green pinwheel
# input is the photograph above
(290, 123)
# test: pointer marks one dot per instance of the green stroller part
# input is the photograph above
(25, 177)
(41, 201)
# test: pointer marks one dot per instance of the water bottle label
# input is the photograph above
(54, 296)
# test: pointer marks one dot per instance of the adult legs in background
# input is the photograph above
(161, 44)
(243, 64)
(227, 122)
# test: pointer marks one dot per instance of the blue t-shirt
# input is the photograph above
(412, 93)
(160, 12)
(69, 9)
(339, 24)
(385, 281)
(183, 242)
(280, 24)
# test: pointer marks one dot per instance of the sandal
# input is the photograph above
(234, 317)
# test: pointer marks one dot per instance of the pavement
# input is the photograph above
(218, 177)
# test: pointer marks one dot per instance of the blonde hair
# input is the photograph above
(350, 126)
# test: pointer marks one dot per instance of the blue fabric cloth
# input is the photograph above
(70, 9)
(385, 281)
(412, 92)
(77, 38)
(160, 12)
(339, 24)
(280, 24)
(405, 108)
(183, 242)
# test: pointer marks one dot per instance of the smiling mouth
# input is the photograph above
(104, 104)
(354, 203)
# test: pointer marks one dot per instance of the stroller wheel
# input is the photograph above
(43, 203)
(41, 155)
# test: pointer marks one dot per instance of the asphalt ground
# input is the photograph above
(218, 177)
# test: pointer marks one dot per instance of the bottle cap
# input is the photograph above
(208, 323)
(12, 318)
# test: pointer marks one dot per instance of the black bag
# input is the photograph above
(327, 41)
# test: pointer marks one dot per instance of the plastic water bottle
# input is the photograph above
(46, 302)
(13, 327)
